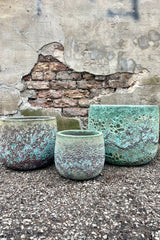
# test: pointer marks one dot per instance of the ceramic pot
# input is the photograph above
(27, 142)
(79, 154)
(131, 133)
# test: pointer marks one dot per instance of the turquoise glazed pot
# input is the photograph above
(131, 133)
(79, 154)
(27, 142)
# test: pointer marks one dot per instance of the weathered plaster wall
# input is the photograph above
(100, 37)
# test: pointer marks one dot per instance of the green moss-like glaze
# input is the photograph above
(131, 133)
(79, 154)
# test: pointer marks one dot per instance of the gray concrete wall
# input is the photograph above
(100, 37)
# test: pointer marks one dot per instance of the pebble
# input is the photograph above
(105, 237)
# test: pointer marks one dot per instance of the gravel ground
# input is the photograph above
(122, 203)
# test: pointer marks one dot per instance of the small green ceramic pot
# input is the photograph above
(130, 132)
(79, 154)
(27, 142)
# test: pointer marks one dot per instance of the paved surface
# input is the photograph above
(122, 203)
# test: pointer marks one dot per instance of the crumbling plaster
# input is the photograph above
(99, 36)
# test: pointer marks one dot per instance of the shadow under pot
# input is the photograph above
(79, 154)
(27, 142)
(131, 132)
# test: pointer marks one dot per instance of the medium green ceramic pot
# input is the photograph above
(131, 133)
(79, 154)
(27, 142)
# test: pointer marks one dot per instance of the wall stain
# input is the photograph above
(39, 10)
(134, 13)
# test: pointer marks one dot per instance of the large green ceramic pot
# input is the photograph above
(79, 154)
(27, 142)
(131, 133)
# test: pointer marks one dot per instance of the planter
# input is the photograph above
(79, 154)
(27, 142)
(131, 133)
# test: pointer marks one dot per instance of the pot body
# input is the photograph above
(79, 154)
(130, 132)
(27, 142)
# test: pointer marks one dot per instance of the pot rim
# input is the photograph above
(83, 133)
(121, 105)
(27, 118)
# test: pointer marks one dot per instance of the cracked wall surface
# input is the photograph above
(99, 37)
(53, 85)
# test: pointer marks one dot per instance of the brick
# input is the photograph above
(38, 85)
(57, 66)
(68, 75)
(119, 76)
(126, 76)
(89, 84)
(121, 83)
(64, 103)
(50, 94)
(41, 67)
(84, 103)
(88, 76)
(26, 77)
(97, 92)
(77, 93)
(73, 112)
(106, 84)
(63, 84)
(100, 78)
(41, 103)
(47, 58)
(48, 75)
(37, 76)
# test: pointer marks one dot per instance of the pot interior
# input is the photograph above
(30, 118)
(79, 133)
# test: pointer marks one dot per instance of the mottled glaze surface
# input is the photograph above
(79, 154)
(131, 133)
(28, 142)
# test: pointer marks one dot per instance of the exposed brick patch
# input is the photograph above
(52, 84)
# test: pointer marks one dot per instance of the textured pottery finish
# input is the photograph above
(131, 133)
(27, 142)
(79, 154)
